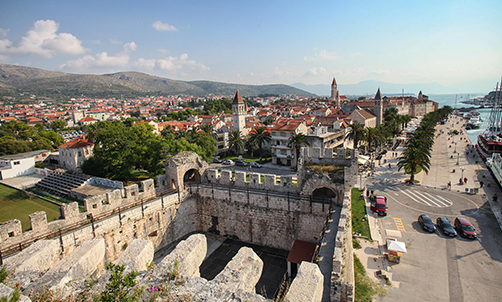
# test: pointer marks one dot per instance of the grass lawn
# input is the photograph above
(15, 204)
(366, 289)
(359, 213)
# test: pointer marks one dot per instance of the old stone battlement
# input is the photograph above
(257, 181)
(261, 209)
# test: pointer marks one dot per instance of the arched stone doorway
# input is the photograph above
(323, 195)
(191, 176)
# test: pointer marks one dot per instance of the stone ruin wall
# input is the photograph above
(274, 222)
(35, 270)
(256, 218)
(342, 275)
(163, 221)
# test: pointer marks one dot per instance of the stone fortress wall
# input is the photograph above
(265, 213)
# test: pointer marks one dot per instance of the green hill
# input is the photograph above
(15, 80)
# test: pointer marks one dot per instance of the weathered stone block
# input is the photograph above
(70, 211)
(39, 256)
(6, 291)
(225, 177)
(189, 253)
(38, 221)
(11, 228)
(307, 285)
(242, 272)
(137, 256)
(79, 264)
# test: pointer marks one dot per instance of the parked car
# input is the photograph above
(228, 162)
(240, 162)
(378, 204)
(216, 160)
(464, 228)
(426, 223)
(445, 226)
(255, 164)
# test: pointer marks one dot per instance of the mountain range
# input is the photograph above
(15, 79)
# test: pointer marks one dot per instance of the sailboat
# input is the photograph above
(490, 141)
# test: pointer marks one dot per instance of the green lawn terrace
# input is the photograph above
(17, 204)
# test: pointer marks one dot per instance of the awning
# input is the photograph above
(362, 160)
(396, 246)
(302, 251)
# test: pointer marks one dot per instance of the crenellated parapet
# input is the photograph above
(251, 180)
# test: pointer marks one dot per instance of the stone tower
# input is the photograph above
(335, 95)
(239, 113)
(378, 108)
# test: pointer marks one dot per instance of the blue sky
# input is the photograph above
(260, 42)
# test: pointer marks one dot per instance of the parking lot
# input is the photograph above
(437, 267)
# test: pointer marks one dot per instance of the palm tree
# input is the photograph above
(417, 152)
(405, 119)
(209, 129)
(356, 133)
(296, 141)
(260, 136)
(236, 142)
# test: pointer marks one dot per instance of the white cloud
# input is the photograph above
(317, 71)
(158, 25)
(44, 40)
(115, 41)
(323, 55)
(101, 62)
(170, 64)
(4, 59)
(4, 32)
(163, 51)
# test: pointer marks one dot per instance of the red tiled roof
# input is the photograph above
(78, 142)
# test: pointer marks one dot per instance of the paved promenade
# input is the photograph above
(462, 270)
(448, 150)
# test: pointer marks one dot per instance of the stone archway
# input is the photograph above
(191, 176)
(184, 168)
(323, 195)
(318, 185)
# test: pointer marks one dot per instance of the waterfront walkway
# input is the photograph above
(453, 157)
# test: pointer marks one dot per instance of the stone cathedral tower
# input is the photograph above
(335, 95)
(378, 108)
(239, 113)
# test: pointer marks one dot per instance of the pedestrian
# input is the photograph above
(465, 180)
(495, 197)
(481, 183)
(389, 165)
(449, 185)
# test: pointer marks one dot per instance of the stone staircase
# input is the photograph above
(62, 183)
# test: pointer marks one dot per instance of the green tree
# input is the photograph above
(236, 142)
(119, 285)
(58, 125)
(356, 133)
(296, 141)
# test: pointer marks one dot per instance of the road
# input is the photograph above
(436, 267)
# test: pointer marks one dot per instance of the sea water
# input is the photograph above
(449, 100)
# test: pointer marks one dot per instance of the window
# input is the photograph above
(17, 163)
(11, 234)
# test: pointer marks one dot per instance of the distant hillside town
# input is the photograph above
(325, 122)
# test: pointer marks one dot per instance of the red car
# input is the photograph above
(465, 228)
(379, 204)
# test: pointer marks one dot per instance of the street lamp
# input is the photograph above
(361, 181)
(458, 155)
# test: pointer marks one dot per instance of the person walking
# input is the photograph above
(481, 183)
(465, 180)
(460, 181)
(449, 186)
